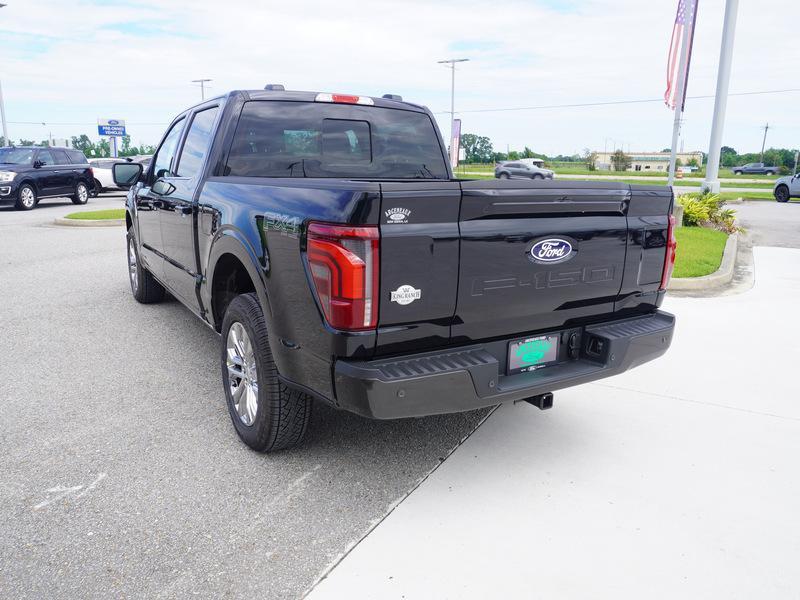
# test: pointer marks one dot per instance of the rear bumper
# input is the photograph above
(471, 377)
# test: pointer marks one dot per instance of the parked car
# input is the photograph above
(29, 174)
(103, 175)
(754, 169)
(522, 169)
(787, 187)
(325, 238)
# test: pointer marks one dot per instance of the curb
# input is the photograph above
(718, 278)
(86, 223)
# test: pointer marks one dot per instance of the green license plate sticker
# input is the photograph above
(532, 353)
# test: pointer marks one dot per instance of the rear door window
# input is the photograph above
(197, 142)
(314, 139)
(76, 157)
(60, 157)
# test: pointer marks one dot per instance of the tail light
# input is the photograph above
(344, 264)
(669, 258)
(344, 99)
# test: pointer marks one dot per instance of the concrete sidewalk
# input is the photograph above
(677, 480)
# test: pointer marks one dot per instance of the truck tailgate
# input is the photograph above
(538, 255)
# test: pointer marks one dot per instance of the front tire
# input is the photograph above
(503, 176)
(782, 193)
(81, 195)
(266, 414)
(144, 286)
(26, 197)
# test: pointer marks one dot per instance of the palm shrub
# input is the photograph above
(704, 209)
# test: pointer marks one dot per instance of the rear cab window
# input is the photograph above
(309, 139)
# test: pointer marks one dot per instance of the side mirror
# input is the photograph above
(37, 164)
(126, 174)
(163, 188)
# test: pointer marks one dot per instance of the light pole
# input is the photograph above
(6, 141)
(451, 64)
(764, 143)
(202, 83)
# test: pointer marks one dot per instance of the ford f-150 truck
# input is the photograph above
(326, 239)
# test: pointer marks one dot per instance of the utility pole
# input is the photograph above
(711, 182)
(764, 142)
(451, 64)
(680, 98)
(202, 83)
(6, 141)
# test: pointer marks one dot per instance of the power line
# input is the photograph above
(613, 102)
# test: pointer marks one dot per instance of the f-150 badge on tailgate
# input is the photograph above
(551, 250)
(406, 294)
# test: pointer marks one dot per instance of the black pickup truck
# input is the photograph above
(326, 239)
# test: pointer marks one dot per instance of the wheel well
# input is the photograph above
(230, 280)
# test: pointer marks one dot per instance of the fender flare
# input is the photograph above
(231, 241)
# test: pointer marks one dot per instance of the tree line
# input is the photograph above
(91, 149)
(479, 149)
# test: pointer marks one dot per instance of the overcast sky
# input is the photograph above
(66, 63)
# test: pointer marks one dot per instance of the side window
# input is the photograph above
(197, 142)
(61, 157)
(166, 153)
(46, 158)
(76, 157)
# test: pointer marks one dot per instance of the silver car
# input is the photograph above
(787, 187)
(521, 169)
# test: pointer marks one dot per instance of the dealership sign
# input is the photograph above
(111, 127)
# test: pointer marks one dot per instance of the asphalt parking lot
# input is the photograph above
(122, 476)
(121, 473)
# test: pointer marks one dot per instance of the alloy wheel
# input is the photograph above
(133, 271)
(83, 193)
(242, 373)
(27, 197)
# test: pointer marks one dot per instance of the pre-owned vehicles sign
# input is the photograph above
(111, 127)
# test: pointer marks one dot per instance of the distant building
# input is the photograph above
(648, 161)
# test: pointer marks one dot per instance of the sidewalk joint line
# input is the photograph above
(329, 569)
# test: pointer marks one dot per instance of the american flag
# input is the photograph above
(685, 8)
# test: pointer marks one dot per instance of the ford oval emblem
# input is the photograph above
(551, 250)
(113, 122)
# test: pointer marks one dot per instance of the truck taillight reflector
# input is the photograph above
(344, 264)
(669, 259)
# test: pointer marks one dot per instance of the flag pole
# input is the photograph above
(680, 97)
(711, 182)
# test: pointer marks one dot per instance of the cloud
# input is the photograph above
(136, 61)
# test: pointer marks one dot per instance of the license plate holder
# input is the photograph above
(532, 353)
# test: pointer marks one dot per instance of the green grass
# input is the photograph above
(699, 251)
(98, 215)
(747, 195)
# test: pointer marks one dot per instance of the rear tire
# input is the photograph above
(782, 193)
(266, 414)
(94, 193)
(26, 197)
(81, 195)
(145, 288)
